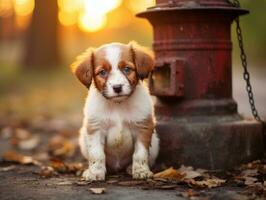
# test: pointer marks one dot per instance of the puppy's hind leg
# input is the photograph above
(92, 148)
(153, 152)
(154, 148)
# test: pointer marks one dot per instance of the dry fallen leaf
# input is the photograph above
(170, 173)
(22, 134)
(97, 190)
(47, 172)
(62, 167)
(248, 175)
(209, 182)
(250, 181)
(188, 175)
(64, 183)
(58, 166)
(189, 172)
(249, 172)
(30, 143)
(24, 140)
(6, 169)
(130, 183)
(13, 156)
(61, 147)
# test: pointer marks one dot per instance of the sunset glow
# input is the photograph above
(23, 7)
(5, 8)
(90, 23)
(87, 15)
(140, 5)
(67, 18)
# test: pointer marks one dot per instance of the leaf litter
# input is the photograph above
(188, 175)
(55, 157)
(13, 156)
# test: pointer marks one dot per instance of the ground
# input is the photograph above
(24, 183)
(42, 161)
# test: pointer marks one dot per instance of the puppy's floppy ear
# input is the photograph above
(83, 67)
(143, 59)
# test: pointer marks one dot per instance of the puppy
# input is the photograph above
(118, 126)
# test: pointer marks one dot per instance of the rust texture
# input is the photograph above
(197, 117)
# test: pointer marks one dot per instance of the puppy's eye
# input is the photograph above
(126, 70)
(103, 73)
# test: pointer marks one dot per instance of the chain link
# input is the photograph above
(246, 74)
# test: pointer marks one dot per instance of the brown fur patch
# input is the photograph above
(100, 81)
(145, 130)
(127, 59)
(83, 67)
(132, 76)
(143, 59)
(92, 126)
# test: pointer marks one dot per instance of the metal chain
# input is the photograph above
(246, 74)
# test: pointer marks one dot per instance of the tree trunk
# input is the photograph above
(41, 48)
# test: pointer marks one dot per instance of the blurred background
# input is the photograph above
(40, 38)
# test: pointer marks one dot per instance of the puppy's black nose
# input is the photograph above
(117, 88)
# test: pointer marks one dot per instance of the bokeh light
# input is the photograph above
(91, 23)
(6, 8)
(67, 18)
(89, 15)
(70, 6)
(140, 5)
(23, 7)
(101, 6)
(69, 11)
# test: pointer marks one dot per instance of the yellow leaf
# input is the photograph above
(170, 173)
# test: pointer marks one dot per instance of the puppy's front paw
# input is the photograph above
(92, 174)
(141, 172)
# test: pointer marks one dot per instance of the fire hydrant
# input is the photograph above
(198, 122)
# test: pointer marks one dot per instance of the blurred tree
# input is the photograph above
(41, 46)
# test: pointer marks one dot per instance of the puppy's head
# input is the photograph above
(115, 68)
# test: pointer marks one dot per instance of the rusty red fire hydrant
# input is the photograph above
(198, 122)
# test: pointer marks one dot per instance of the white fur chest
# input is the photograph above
(116, 122)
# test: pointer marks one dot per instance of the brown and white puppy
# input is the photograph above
(118, 127)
